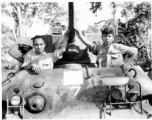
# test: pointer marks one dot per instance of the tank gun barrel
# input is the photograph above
(71, 22)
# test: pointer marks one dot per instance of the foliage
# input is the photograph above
(48, 12)
(114, 6)
(128, 10)
(136, 29)
(95, 6)
(4, 28)
(92, 29)
(7, 39)
(143, 10)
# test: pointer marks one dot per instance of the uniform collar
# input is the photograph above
(41, 53)
(106, 46)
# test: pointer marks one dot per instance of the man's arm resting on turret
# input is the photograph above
(57, 54)
(132, 55)
(132, 52)
(34, 67)
(64, 45)
(84, 40)
(27, 65)
(27, 62)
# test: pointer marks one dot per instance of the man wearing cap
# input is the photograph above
(38, 60)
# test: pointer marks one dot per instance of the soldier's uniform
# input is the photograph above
(112, 55)
(44, 60)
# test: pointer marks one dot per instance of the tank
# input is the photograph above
(76, 87)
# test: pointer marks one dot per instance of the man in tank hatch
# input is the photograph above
(37, 59)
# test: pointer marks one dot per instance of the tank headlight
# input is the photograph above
(15, 100)
(116, 93)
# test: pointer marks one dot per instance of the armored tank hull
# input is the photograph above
(70, 93)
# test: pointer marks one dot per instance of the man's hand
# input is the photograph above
(125, 68)
(78, 33)
(36, 68)
(84, 40)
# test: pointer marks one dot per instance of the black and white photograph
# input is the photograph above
(76, 59)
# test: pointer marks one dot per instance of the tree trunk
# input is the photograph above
(20, 20)
(13, 30)
(12, 21)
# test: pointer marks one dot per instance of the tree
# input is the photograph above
(137, 31)
(128, 10)
(114, 6)
(92, 29)
(24, 13)
(95, 6)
